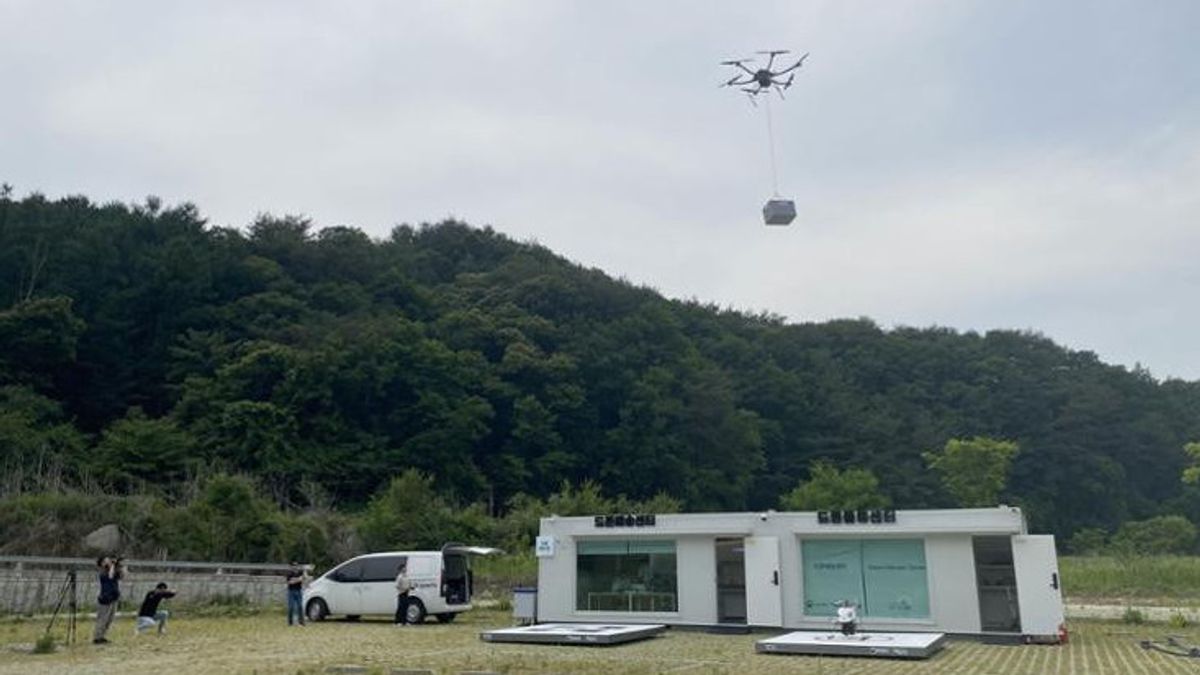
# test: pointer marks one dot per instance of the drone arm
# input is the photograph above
(792, 67)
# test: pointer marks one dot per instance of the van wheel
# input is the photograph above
(317, 610)
(416, 611)
(446, 617)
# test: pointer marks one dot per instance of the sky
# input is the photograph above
(976, 165)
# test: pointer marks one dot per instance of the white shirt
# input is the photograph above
(403, 585)
(847, 615)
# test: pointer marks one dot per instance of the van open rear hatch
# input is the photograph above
(462, 549)
(457, 580)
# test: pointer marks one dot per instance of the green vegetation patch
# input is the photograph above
(1169, 580)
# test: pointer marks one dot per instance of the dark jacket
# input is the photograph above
(110, 589)
(150, 604)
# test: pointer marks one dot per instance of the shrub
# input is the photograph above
(44, 645)
(1133, 616)
(1088, 541)
(1157, 536)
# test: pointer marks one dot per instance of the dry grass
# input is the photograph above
(264, 644)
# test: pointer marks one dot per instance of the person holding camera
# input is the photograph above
(149, 615)
(297, 578)
(110, 570)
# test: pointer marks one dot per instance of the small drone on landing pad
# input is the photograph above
(755, 82)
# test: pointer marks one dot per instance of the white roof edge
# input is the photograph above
(772, 512)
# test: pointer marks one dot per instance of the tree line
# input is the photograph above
(144, 352)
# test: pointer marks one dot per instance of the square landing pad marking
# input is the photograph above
(574, 633)
(887, 645)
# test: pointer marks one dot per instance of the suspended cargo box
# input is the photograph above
(779, 212)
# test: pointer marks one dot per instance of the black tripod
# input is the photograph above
(69, 593)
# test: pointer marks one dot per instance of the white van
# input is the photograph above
(441, 584)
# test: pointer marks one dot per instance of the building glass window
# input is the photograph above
(626, 576)
(886, 578)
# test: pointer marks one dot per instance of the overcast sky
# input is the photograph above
(1030, 165)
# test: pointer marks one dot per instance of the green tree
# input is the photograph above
(227, 520)
(39, 449)
(139, 453)
(408, 514)
(974, 471)
(519, 525)
(298, 354)
(830, 488)
(38, 339)
(1191, 474)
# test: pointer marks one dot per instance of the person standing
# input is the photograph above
(297, 578)
(150, 615)
(110, 571)
(403, 587)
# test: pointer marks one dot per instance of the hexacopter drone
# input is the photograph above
(777, 211)
(755, 82)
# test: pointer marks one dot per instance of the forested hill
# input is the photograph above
(139, 345)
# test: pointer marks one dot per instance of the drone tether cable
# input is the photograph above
(771, 150)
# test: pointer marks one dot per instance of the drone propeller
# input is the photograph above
(735, 80)
(773, 53)
(738, 63)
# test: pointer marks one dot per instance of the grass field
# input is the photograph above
(264, 644)
(1163, 580)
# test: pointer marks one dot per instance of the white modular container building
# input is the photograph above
(961, 571)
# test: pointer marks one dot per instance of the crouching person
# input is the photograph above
(847, 618)
(150, 616)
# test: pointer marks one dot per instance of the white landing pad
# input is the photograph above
(890, 645)
(574, 633)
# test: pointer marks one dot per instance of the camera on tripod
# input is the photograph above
(68, 594)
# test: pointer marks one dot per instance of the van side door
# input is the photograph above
(379, 584)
